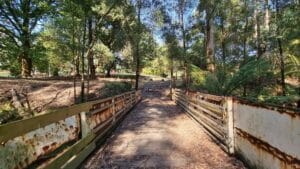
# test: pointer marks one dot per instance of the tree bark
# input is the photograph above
(77, 65)
(108, 69)
(26, 62)
(181, 22)
(267, 15)
(257, 31)
(223, 44)
(137, 71)
(245, 44)
(75, 61)
(171, 74)
(82, 98)
(282, 64)
(210, 51)
(92, 69)
(26, 65)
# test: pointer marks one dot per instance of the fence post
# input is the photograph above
(113, 109)
(85, 128)
(230, 124)
(131, 99)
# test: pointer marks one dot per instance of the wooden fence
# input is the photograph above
(262, 136)
(62, 139)
(212, 112)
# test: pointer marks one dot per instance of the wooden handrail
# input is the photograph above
(83, 123)
(17, 128)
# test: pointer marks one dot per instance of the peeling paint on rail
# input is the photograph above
(21, 151)
(43, 137)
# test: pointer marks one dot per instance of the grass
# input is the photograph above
(4, 73)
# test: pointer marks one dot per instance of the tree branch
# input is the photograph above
(91, 45)
(9, 34)
(10, 9)
(41, 108)
(5, 14)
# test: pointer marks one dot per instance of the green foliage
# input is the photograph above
(255, 74)
(18, 23)
(106, 55)
(8, 113)
(158, 66)
(198, 77)
(115, 88)
(286, 101)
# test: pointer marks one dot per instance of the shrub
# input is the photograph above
(115, 88)
(8, 113)
(256, 74)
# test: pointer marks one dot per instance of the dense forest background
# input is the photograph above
(245, 48)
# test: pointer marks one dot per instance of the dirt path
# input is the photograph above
(158, 134)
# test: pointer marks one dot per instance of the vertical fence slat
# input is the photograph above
(113, 109)
(230, 124)
(85, 128)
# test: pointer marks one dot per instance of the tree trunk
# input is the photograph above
(171, 81)
(75, 60)
(26, 65)
(282, 66)
(210, 51)
(92, 69)
(223, 42)
(267, 15)
(181, 22)
(108, 69)
(137, 71)
(108, 73)
(82, 64)
(26, 62)
(282, 72)
(77, 65)
(245, 55)
(257, 31)
(55, 72)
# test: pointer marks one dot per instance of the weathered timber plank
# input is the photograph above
(77, 159)
(208, 127)
(213, 124)
(207, 111)
(213, 107)
(99, 110)
(59, 161)
(18, 128)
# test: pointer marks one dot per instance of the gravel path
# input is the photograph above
(158, 134)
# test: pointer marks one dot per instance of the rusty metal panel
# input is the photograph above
(22, 151)
(267, 136)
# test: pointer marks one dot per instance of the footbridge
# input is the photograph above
(146, 129)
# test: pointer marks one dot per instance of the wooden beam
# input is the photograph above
(62, 159)
(17, 128)
(77, 159)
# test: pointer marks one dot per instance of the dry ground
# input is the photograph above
(158, 134)
(51, 94)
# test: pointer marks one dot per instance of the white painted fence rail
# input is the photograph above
(263, 137)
